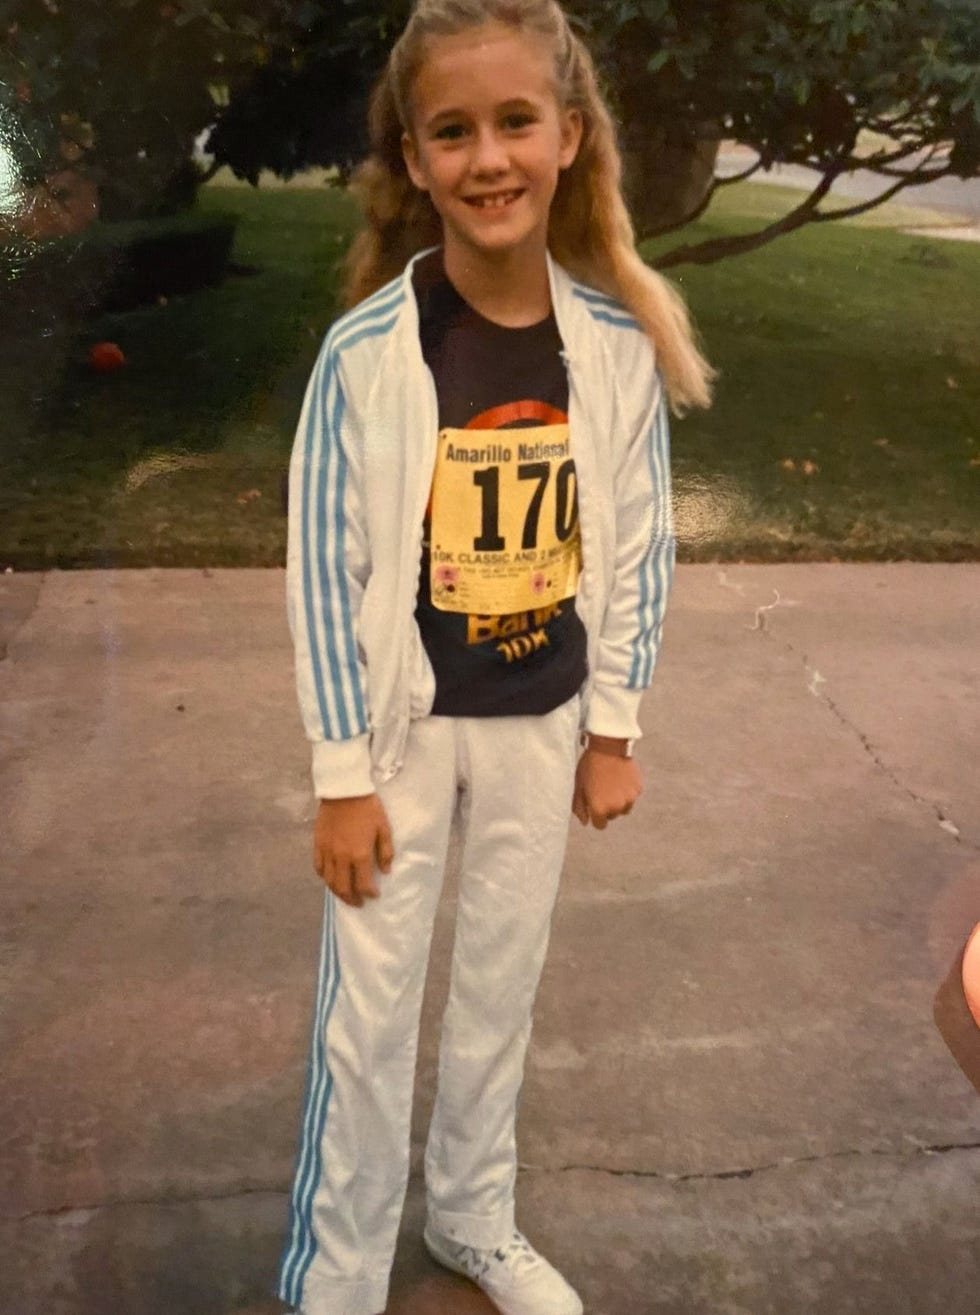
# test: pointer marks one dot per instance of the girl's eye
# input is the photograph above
(518, 120)
(450, 132)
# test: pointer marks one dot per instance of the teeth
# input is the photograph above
(495, 202)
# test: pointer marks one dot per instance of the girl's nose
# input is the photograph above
(490, 155)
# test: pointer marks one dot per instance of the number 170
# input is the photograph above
(566, 504)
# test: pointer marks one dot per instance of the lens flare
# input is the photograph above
(707, 508)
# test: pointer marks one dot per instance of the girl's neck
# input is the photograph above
(512, 290)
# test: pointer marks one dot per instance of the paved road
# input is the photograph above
(736, 1100)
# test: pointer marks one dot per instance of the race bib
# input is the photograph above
(505, 527)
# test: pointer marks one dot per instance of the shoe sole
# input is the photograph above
(447, 1262)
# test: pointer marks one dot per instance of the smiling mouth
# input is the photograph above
(494, 200)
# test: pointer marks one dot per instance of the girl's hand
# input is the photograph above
(349, 834)
(605, 787)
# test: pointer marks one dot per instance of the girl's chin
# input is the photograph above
(500, 239)
(502, 250)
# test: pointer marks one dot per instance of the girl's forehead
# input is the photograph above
(493, 61)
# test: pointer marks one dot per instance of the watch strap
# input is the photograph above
(607, 744)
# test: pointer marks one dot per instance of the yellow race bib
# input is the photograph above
(505, 528)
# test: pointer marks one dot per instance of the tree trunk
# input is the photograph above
(667, 179)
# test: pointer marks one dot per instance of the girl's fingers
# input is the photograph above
(601, 819)
(340, 882)
(385, 848)
(362, 884)
(578, 804)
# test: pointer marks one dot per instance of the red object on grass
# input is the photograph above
(105, 357)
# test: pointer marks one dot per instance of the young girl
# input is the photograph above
(480, 549)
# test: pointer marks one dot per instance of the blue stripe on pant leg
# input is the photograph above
(300, 1245)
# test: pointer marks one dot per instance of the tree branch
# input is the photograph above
(883, 159)
(706, 253)
(687, 219)
(820, 218)
(705, 201)
(920, 171)
(887, 126)
(738, 178)
(915, 175)
(699, 210)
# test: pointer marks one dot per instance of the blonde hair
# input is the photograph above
(589, 229)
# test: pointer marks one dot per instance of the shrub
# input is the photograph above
(111, 267)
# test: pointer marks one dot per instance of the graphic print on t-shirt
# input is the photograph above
(505, 533)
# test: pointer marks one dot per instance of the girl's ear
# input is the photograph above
(410, 155)
(572, 128)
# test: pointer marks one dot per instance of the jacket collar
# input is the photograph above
(574, 321)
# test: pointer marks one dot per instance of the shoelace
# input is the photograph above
(518, 1255)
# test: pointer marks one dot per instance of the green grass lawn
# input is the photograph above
(844, 426)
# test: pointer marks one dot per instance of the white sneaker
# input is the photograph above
(515, 1278)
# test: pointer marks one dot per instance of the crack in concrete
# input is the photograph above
(941, 1148)
(242, 1193)
(128, 1202)
(814, 683)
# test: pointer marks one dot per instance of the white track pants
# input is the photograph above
(512, 778)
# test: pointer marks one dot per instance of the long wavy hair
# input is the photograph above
(589, 228)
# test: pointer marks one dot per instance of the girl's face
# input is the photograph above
(488, 141)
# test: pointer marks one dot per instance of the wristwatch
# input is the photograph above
(607, 744)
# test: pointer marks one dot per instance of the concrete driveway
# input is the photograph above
(736, 1100)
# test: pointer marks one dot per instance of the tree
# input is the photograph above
(798, 81)
(119, 92)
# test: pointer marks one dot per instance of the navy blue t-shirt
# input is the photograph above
(492, 378)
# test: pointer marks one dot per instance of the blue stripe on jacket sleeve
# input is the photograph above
(619, 321)
(309, 609)
(605, 309)
(350, 646)
(326, 596)
(381, 303)
(657, 567)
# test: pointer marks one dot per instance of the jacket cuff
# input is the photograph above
(342, 768)
(613, 711)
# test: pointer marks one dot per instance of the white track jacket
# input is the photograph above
(359, 479)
